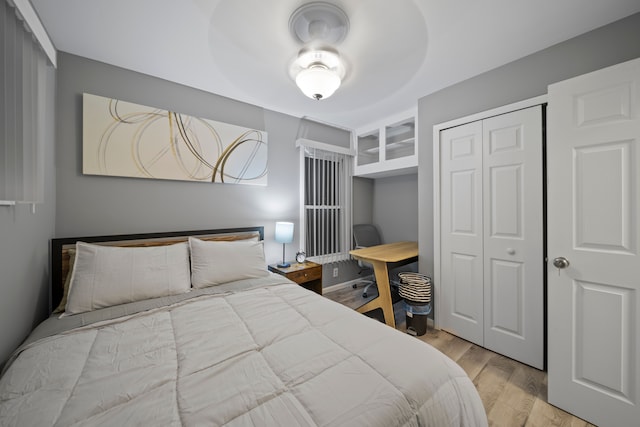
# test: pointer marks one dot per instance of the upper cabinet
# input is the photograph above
(387, 148)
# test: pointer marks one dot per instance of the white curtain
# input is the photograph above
(326, 218)
(22, 110)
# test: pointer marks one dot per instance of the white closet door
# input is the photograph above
(594, 210)
(513, 235)
(491, 234)
(461, 232)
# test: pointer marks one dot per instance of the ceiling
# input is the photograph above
(396, 51)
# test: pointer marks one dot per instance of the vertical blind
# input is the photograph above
(22, 110)
(327, 204)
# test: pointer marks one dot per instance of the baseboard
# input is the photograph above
(350, 283)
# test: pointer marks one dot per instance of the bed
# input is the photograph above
(235, 345)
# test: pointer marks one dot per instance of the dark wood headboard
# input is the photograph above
(60, 248)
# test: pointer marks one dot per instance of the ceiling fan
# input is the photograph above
(318, 70)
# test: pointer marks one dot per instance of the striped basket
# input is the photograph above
(415, 288)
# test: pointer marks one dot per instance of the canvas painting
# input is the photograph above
(125, 139)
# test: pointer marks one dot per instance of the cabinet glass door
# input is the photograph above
(369, 148)
(400, 139)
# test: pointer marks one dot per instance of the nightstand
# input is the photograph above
(307, 274)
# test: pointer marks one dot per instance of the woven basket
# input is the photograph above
(415, 287)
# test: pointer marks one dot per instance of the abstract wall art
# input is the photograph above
(130, 140)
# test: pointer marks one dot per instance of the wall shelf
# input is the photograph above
(388, 147)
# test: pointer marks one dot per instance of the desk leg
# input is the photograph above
(384, 291)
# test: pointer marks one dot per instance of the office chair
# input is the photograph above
(365, 235)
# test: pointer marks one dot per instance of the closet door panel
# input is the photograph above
(506, 202)
(461, 231)
(506, 297)
(513, 235)
(463, 281)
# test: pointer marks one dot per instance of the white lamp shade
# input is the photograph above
(318, 82)
(284, 232)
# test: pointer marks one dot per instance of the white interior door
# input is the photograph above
(594, 204)
(461, 232)
(513, 235)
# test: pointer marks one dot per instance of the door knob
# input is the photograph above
(560, 262)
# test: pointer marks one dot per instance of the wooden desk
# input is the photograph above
(383, 258)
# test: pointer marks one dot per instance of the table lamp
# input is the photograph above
(284, 234)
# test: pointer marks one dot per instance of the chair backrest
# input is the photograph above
(365, 235)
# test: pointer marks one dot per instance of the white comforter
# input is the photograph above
(272, 356)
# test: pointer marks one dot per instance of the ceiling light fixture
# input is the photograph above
(318, 71)
(318, 82)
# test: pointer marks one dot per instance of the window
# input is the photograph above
(326, 201)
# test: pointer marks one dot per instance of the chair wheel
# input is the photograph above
(354, 286)
(364, 295)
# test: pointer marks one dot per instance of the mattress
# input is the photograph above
(258, 352)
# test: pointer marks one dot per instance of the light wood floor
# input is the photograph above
(513, 394)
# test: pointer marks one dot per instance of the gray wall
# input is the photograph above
(395, 207)
(362, 200)
(391, 203)
(24, 252)
(518, 80)
(90, 205)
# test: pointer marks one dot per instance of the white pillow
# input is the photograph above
(106, 275)
(214, 263)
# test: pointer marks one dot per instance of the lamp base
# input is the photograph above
(284, 265)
